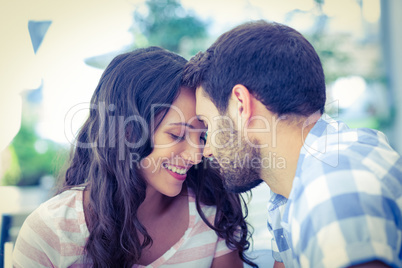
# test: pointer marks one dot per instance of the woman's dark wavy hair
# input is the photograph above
(130, 91)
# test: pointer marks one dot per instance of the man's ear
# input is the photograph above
(243, 100)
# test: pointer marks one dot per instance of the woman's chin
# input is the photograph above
(174, 191)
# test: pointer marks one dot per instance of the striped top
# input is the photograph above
(54, 235)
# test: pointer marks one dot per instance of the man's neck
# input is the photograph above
(284, 151)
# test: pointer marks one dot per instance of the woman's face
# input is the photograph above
(178, 145)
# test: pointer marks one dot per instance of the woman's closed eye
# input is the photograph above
(176, 137)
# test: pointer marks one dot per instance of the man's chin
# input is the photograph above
(241, 188)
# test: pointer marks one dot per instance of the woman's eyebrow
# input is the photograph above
(183, 124)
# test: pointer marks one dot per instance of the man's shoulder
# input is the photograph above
(328, 131)
(334, 147)
(360, 162)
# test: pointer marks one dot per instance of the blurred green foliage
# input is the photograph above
(333, 58)
(29, 157)
(167, 24)
(35, 157)
(163, 23)
(12, 174)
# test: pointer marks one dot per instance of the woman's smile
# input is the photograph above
(178, 172)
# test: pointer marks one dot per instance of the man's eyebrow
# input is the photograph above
(183, 124)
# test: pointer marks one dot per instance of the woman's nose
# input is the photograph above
(192, 154)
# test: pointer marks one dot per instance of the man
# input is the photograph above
(336, 192)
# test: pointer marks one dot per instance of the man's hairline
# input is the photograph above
(203, 94)
(207, 96)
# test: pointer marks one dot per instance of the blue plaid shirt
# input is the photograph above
(345, 205)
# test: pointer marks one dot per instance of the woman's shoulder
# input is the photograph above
(199, 238)
(68, 205)
(208, 210)
(55, 231)
(63, 214)
(196, 220)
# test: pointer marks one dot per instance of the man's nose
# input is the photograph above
(207, 150)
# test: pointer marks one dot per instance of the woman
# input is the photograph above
(137, 192)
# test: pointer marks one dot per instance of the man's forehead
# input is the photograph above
(200, 92)
(205, 109)
(203, 102)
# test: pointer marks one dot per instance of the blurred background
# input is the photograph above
(53, 53)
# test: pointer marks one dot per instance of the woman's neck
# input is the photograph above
(156, 204)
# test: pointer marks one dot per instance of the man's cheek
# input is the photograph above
(222, 139)
(224, 163)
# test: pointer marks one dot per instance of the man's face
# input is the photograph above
(239, 160)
